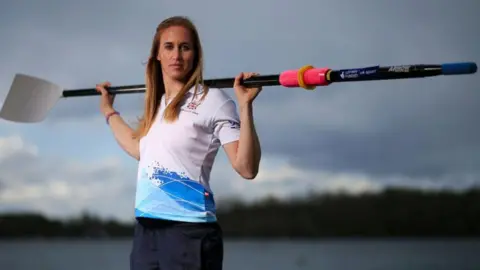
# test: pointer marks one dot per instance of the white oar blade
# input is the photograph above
(30, 99)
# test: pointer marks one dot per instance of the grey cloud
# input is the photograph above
(58, 186)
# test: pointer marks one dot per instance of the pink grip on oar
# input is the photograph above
(314, 76)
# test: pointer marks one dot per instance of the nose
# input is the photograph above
(177, 53)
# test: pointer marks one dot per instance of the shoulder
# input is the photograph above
(217, 99)
(220, 104)
(218, 96)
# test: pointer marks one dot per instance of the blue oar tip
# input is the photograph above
(459, 68)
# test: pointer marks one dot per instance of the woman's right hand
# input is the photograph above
(106, 101)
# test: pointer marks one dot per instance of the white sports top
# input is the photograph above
(176, 158)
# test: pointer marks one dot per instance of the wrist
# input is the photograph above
(245, 105)
(108, 111)
(109, 114)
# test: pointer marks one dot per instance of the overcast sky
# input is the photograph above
(353, 136)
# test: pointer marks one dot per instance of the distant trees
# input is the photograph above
(392, 213)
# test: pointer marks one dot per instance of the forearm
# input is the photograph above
(123, 134)
(249, 150)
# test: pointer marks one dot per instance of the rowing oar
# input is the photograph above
(30, 99)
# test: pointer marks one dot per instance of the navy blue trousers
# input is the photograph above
(166, 245)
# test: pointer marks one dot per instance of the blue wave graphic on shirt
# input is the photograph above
(168, 193)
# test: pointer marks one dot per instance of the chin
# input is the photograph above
(178, 75)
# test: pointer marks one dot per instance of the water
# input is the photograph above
(261, 255)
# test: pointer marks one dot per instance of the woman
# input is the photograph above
(183, 126)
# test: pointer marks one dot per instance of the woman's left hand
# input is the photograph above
(245, 95)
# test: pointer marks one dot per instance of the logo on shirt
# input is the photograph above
(192, 107)
(234, 124)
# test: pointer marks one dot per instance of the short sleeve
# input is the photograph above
(226, 123)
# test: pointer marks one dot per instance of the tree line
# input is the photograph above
(394, 212)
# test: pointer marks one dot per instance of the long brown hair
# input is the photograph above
(155, 87)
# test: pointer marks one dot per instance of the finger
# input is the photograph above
(238, 79)
(101, 87)
(248, 75)
(251, 74)
(105, 86)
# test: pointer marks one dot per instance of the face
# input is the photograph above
(176, 52)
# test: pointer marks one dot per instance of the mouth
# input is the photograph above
(176, 65)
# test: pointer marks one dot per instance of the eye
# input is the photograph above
(168, 46)
(185, 47)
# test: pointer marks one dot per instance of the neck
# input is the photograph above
(172, 87)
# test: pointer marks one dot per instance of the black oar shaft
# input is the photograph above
(264, 80)
(322, 76)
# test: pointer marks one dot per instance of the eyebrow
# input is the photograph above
(182, 43)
